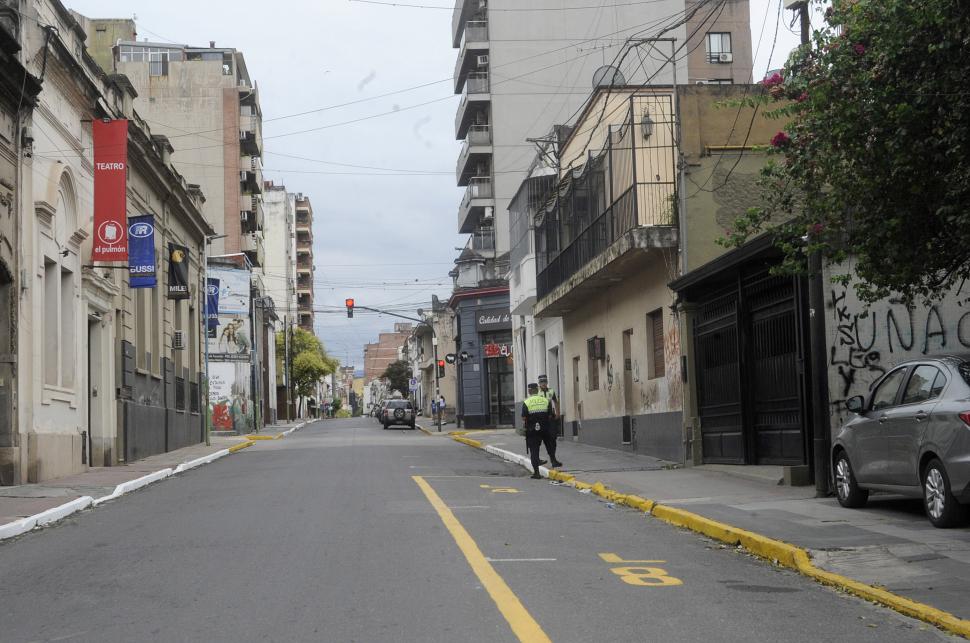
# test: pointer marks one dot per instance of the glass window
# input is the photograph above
(920, 385)
(938, 385)
(718, 43)
(885, 394)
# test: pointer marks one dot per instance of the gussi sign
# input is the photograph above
(493, 319)
(110, 181)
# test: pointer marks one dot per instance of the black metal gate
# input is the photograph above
(719, 380)
(748, 344)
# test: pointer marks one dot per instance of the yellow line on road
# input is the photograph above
(523, 625)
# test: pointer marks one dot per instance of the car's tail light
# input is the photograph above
(965, 416)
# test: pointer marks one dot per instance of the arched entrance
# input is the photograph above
(8, 366)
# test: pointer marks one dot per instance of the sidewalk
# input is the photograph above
(26, 500)
(890, 543)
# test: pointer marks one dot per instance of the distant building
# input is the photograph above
(304, 263)
(379, 355)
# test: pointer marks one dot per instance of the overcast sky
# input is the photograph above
(385, 239)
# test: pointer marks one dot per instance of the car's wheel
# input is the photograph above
(942, 507)
(846, 488)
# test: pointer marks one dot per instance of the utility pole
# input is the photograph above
(286, 366)
(821, 429)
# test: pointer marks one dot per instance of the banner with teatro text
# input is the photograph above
(110, 181)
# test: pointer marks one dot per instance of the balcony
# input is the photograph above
(304, 285)
(475, 151)
(611, 248)
(474, 101)
(251, 174)
(251, 212)
(478, 196)
(304, 266)
(250, 132)
(252, 245)
(465, 11)
(474, 45)
(303, 222)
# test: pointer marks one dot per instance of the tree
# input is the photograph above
(309, 361)
(399, 373)
(874, 162)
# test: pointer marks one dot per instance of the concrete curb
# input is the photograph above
(424, 430)
(776, 551)
(22, 526)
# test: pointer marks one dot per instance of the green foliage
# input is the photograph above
(335, 404)
(342, 413)
(309, 361)
(399, 373)
(873, 164)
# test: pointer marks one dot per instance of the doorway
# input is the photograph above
(628, 372)
(96, 449)
(501, 391)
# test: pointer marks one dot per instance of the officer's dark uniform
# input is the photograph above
(536, 415)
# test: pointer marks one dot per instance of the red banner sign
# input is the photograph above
(110, 179)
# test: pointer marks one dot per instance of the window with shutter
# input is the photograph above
(656, 334)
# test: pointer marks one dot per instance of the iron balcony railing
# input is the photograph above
(477, 83)
(477, 135)
(483, 239)
(476, 31)
(589, 243)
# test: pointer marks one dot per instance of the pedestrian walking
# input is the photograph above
(536, 416)
(550, 394)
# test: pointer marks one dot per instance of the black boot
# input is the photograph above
(536, 476)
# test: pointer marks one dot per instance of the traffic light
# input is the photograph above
(441, 368)
(350, 307)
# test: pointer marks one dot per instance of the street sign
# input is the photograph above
(464, 356)
(413, 384)
(451, 358)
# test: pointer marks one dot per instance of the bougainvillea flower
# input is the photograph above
(774, 79)
(860, 49)
(780, 139)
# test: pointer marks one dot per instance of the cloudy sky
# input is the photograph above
(383, 187)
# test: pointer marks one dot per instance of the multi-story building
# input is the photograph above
(204, 100)
(107, 371)
(519, 73)
(645, 192)
(379, 355)
(280, 238)
(304, 262)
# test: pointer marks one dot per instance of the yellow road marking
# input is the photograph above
(613, 558)
(525, 628)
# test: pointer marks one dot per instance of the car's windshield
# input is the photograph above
(400, 404)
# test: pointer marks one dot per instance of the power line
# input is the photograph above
(517, 10)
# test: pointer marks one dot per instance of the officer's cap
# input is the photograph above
(533, 386)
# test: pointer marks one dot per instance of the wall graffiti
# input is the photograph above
(867, 340)
(609, 373)
(635, 368)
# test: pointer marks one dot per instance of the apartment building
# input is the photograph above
(525, 66)
(379, 355)
(204, 100)
(304, 262)
(280, 241)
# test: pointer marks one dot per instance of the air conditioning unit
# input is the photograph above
(702, 82)
(244, 215)
(242, 175)
(725, 57)
(178, 340)
(482, 4)
(483, 60)
(488, 214)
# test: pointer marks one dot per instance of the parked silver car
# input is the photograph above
(912, 437)
(398, 412)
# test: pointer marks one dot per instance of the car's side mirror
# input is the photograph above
(855, 404)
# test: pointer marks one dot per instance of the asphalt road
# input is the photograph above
(346, 532)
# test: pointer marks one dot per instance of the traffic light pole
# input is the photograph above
(434, 344)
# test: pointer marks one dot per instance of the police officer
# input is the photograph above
(550, 394)
(536, 415)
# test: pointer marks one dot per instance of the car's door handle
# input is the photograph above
(920, 416)
(883, 418)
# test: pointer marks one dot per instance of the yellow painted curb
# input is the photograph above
(421, 428)
(280, 436)
(261, 437)
(776, 551)
(241, 446)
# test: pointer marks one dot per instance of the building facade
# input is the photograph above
(379, 355)
(106, 372)
(304, 263)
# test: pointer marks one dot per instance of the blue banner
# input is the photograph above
(212, 306)
(141, 251)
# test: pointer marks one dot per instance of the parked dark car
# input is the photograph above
(398, 412)
(910, 435)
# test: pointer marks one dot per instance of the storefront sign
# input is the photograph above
(178, 271)
(141, 252)
(497, 350)
(493, 319)
(110, 181)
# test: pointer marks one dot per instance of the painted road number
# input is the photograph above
(632, 573)
(499, 489)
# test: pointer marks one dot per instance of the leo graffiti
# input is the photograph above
(865, 341)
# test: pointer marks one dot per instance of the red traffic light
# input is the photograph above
(349, 303)
(441, 363)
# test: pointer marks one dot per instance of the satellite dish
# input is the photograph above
(608, 75)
